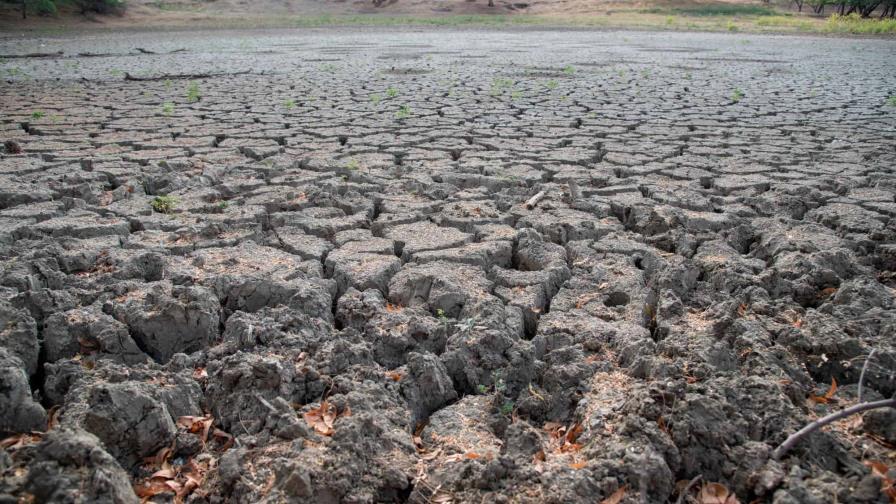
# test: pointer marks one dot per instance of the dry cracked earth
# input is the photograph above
(355, 265)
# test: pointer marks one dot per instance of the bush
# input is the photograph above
(45, 8)
(854, 23)
(116, 7)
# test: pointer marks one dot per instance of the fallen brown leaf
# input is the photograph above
(197, 424)
(616, 497)
(716, 493)
(19, 440)
(228, 439)
(826, 398)
(321, 419)
(887, 484)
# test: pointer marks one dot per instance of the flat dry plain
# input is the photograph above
(397, 265)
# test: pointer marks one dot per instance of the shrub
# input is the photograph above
(45, 7)
(116, 7)
(164, 204)
(854, 23)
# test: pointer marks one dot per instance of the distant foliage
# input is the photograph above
(116, 7)
(45, 8)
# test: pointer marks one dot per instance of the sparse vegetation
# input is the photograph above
(715, 9)
(403, 112)
(891, 101)
(37, 114)
(569, 70)
(500, 85)
(376, 99)
(167, 108)
(164, 204)
(193, 93)
(737, 95)
(352, 164)
(854, 23)
(391, 92)
(711, 16)
(289, 104)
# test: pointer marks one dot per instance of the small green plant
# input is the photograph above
(507, 408)
(289, 104)
(223, 204)
(167, 83)
(482, 389)
(164, 204)
(352, 164)
(167, 108)
(516, 95)
(403, 112)
(499, 85)
(391, 92)
(500, 386)
(737, 95)
(730, 26)
(193, 93)
(891, 101)
(569, 70)
(551, 84)
(376, 99)
(116, 72)
(37, 114)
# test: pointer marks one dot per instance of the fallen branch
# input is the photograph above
(865, 368)
(794, 438)
(530, 204)
(130, 77)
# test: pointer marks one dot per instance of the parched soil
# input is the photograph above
(364, 265)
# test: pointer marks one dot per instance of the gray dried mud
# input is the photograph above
(714, 246)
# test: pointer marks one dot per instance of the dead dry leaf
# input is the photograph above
(887, 484)
(197, 425)
(19, 440)
(322, 418)
(826, 398)
(716, 493)
(616, 497)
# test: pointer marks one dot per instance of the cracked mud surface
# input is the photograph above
(714, 245)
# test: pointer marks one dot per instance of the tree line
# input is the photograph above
(864, 8)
